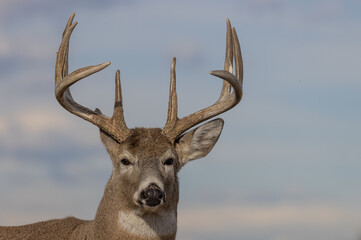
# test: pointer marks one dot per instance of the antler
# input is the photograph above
(114, 126)
(174, 126)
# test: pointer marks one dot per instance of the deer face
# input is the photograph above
(146, 164)
(145, 167)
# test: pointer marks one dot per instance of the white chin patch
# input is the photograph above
(148, 226)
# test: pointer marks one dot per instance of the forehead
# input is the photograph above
(147, 141)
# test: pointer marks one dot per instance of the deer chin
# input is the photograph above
(148, 225)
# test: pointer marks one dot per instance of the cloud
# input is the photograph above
(40, 121)
(44, 130)
(272, 220)
(30, 126)
(232, 217)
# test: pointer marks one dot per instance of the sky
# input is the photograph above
(287, 165)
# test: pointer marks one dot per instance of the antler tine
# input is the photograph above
(238, 57)
(228, 62)
(63, 81)
(118, 112)
(226, 101)
(61, 68)
(173, 102)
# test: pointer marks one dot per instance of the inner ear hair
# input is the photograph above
(199, 142)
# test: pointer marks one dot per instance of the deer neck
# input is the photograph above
(115, 220)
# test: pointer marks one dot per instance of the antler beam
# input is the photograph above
(114, 126)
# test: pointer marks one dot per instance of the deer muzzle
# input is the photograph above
(152, 196)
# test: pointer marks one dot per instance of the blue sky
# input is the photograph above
(288, 163)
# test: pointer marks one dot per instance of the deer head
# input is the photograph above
(146, 161)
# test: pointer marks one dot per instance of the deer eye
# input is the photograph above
(125, 162)
(169, 161)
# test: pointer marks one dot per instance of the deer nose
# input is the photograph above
(152, 196)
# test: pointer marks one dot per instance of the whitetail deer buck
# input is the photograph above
(141, 197)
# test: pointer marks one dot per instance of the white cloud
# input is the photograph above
(39, 121)
(36, 129)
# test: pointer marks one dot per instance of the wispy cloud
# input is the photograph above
(286, 221)
(234, 217)
(32, 128)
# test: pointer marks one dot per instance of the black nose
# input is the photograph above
(152, 196)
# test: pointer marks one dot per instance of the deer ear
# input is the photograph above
(199, 142)
(109, 143)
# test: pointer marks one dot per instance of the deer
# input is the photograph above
(141, 197)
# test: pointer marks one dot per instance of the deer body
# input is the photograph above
(141, 197)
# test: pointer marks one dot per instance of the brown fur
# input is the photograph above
(58, 229)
